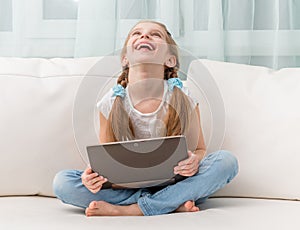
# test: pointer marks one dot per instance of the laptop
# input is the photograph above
(139, 163)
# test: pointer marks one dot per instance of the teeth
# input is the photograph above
(144, 45)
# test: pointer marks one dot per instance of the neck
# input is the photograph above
(150, 89)
(146, 81)
(145, 71)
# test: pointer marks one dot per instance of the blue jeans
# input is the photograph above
(215, 171)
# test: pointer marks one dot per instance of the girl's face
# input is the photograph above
(147, 44)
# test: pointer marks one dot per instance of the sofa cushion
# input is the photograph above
(48, 117)
(35, 213)
(261, 124)
(38, 135)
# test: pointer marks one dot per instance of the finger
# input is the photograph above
(188, 161)
(188, 172)
(94, 180)
(95, 186)
(88, 170)
(91, 176)
(98, 184)
(184, 162)
(97, 179)
(180, 170)
(194, 170)
(187, 168)
(192, 164)
(87, 179)
(95, 190)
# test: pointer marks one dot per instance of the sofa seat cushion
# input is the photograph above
(217, 213)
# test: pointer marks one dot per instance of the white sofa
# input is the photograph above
(48, 116)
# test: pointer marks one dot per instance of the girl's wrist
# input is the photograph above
(200, 153)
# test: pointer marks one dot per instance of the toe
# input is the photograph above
(195, 209)
(87, 212)
(93, 205)
(188, 205)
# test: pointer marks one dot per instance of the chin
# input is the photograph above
(144, 59)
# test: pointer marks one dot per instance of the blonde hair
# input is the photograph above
(179, 111)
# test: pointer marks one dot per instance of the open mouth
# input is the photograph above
(147, 46)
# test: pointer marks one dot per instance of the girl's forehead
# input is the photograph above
(148, 25)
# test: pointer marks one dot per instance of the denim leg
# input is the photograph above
(69, 189)
(215, 171)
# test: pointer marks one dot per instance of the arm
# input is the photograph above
(200, 150)
(92, 181)
(103, 128)
(190, 166)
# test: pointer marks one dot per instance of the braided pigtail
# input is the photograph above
(180, 109)
(120, 126)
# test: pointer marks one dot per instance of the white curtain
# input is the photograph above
(97, 27)
(38, 28)
(255, 32)
(102, 25)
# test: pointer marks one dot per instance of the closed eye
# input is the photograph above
(156, 34)
(136, 33)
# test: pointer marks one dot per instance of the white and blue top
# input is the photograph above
(146, 125)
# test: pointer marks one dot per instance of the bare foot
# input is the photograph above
(188, 206)
(102, 208)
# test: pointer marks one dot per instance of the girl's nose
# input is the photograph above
(145, 35)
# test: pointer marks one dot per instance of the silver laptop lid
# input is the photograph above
(138, 163)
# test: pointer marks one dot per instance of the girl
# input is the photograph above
(149, 101)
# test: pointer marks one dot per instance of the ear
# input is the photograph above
(124, 61)
(171, 62)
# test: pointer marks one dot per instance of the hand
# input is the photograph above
(92, 181)
(189, 166)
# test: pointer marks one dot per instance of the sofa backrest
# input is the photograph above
(48, 115)
(261, 124)
(39, 105)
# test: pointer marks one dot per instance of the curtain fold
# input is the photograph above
(97, 26)
(255, 32)
(170, 15)
(243, 31)
(216, 31)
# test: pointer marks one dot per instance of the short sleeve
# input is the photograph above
(105, 104)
